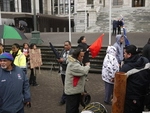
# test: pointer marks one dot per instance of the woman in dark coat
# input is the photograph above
(82, 45)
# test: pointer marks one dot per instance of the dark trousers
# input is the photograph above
(131, 107)
(119, 30)
(108, 92)
(72, 103)
(32, 79)
(114, 31)
(63, 98)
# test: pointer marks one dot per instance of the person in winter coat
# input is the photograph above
(14, 86)
(83, 45)
(110, 67)
(120, 25)
(119, 47)
(137, 82)
(63, 65)
(114, 26)
(19, 57)
(32, 79)
(75, 80)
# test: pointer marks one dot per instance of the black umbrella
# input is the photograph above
(54, 51)
(21, 22)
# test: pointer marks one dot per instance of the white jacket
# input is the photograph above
(110, 65)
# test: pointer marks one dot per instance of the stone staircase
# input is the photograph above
(136, 19)
(50, 62)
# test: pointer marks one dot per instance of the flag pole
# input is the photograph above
(110, 22)
(69, 21)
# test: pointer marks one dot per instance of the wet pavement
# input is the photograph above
(46, 96)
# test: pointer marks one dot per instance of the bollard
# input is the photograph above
(119, 92)
(57, 29)
(51, 29)
(44, 29)
(64, 29)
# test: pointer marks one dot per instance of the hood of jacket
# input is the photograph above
(118, 38)
(111, 50)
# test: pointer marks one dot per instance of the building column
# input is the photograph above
(18, 6)
(147, 3)
(49, 4)
(37, 6)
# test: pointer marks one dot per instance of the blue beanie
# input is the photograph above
(6, 55)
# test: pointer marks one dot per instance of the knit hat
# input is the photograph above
(6, 55)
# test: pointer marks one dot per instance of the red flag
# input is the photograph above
(96, 46)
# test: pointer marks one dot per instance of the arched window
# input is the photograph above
(26, 6)
(7, 5)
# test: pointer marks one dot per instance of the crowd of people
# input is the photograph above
(121, 58)
(15, 85)
(74, 68)
(117, 25)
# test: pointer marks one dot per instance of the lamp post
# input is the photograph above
(35, 34)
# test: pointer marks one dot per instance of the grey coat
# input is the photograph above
(75, 76)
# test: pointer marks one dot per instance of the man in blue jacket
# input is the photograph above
(14, 86)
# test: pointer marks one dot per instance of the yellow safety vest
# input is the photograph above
(20, 59)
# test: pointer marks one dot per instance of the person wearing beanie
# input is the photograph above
(14, 86)
(137, 82)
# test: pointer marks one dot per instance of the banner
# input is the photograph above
(35, 58)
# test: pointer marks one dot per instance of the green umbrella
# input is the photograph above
(9, 32)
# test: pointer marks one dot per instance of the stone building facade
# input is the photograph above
(84, 12)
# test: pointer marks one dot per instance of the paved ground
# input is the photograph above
(45, 97)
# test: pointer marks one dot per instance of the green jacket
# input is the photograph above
(75, 76)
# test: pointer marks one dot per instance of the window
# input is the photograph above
(41, 6)
(89, 1)
(138, 3)
(7, 5)
(100, 1)
(117, 2)
(26, 5)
